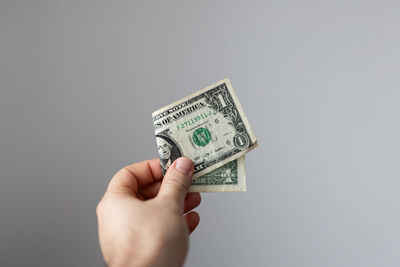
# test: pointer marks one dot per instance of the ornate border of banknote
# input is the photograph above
(229, 178)
(210, 127)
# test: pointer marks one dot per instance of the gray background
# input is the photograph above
(319, 81)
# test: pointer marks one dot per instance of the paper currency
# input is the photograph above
(231, 177)
(211, 129)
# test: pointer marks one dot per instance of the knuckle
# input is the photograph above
(101, 207)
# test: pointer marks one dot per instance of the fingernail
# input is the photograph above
(184, 165)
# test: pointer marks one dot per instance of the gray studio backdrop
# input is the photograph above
(319, 81)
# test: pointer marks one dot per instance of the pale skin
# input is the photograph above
(145, 220)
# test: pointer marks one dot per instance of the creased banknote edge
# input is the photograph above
(217, 188)
(241, 111)
(240, 187)
(183, 99)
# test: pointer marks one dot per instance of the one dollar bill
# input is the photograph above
(231, 177)
(209, 127)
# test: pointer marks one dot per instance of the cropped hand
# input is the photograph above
(145, 220)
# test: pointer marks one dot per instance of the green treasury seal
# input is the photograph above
(201, 137)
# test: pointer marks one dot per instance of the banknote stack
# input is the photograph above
(209, 127)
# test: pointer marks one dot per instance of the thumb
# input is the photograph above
(177, 180)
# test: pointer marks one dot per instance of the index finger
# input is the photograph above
(137, 175)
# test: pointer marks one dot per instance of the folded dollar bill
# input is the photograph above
(231, 177)
(211, 129)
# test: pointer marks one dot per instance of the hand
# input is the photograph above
(142, 220)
